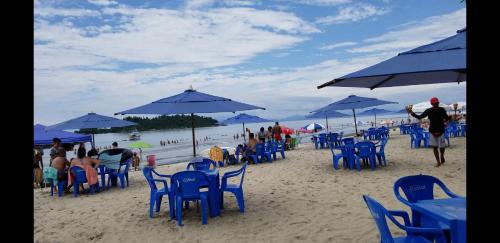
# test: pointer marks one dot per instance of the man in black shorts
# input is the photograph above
(438, 118)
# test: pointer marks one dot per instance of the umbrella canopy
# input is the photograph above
(374, 112)
(353, 102)
(44, 137)
(140, 144)
(443, 61)
(91, 120)
(244, 118)
(422, 106)
(286, 130)
(190, 102)
(314, 126)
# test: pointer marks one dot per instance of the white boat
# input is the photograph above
(134, 135)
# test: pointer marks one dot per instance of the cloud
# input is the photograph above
(103, 2)
(353, 13)
(415, 33)
(341, 44)
(65, 12)
(233, 3)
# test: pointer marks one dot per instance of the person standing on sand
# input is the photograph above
(277, 132)
(438, 119)
(54, 150)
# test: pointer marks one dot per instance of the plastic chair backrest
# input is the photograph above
(416, 187)
(204, 164)
(127, 166)
(187, 183)
(148, 173)
(79, 174)
(378, 213)
(348, 141)
(259, 149)
(365, 148)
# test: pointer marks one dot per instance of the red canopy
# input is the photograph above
(286, 130)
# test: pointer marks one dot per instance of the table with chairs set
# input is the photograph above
(432, 220)
(264, 151)
(376, 133)
(419, 135)
(200, 182)
(322, 140)
(353, 152)
(112, 168)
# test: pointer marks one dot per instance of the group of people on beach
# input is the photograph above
(263, 136)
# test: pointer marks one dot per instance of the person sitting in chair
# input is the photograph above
(251, 145)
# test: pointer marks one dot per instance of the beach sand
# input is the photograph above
(299, 199)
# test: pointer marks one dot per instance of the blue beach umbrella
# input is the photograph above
(244, 118)
(190, 102)
(374, 112)
(326, 114)
(44, 137)
(443, 61)
(353, 102)
(91, 120)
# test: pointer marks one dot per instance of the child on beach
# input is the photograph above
(135, 161)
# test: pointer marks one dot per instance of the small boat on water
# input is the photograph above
(134, 135)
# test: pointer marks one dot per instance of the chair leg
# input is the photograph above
(151, 205)
(51, 188)
(126, 177)
(240, 200)
(179, 210)
(186, 204)
(358, 164)
(122, 181)
(75, 189)
(203, 208)
(171, 205)
(222, 199)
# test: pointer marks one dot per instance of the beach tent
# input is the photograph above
(353, 102)
(443, 61)
(326, 114)
(189, 102)
(244, 118)
(374, 112)
(42, 137)
(91, 120)
(422, 106)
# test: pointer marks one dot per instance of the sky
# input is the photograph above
(107, 56)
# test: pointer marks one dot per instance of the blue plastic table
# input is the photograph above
(450, 211)
(213, 192)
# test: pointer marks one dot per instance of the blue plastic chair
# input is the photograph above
(237, 190)
(381, 152)
(413, 234)
(79, 178)
(122, 175)
(463, 130)
(334, 138)
(156, 194)
(367, 152)
(203, 164)
(280, 147)
(102, 171)
(269, 147)
(262, 153)
(322, 140)
(50, 176)
(420, 187)
(186, 187)
(345, 153)
(415, 140)
(348, 141)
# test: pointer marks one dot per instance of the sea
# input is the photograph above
(223, 136)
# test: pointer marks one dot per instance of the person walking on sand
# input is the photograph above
(438, 119)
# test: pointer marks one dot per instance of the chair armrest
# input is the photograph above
(424, 230)
(401, 214)
(161, 175)
(164, 182)
(231, 174)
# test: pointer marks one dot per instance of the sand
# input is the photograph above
(299, 199)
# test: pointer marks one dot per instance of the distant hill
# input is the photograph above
(294, 118)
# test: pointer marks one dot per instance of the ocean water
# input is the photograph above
(220, 136)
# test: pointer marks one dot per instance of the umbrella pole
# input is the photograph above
(244, 133)
(93, 141)
(355, 123)
(192, 129)
(375, 119)
(327, 123)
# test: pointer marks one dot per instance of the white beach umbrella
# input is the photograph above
(422, 106)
